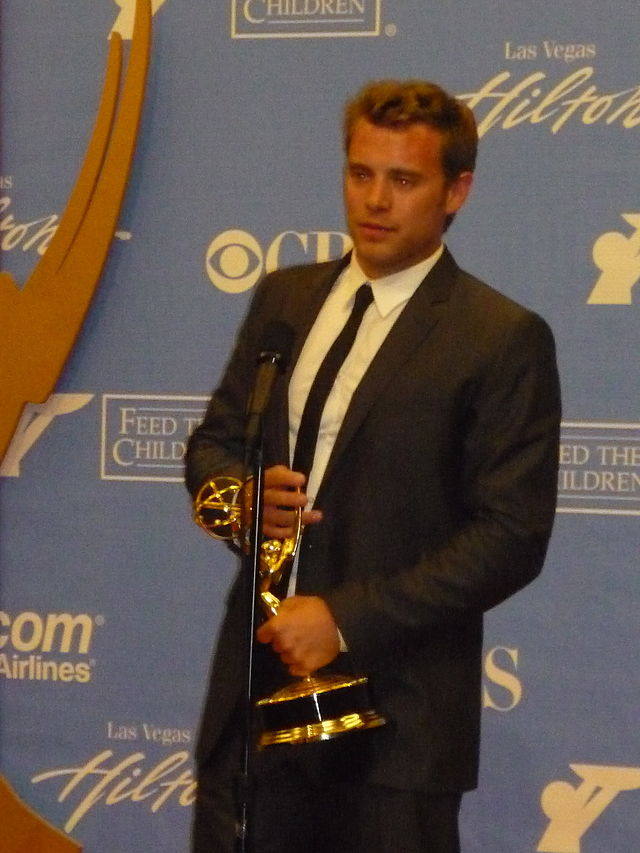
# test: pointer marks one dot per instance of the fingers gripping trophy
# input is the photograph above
(314, 708)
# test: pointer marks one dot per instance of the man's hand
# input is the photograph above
(303, 633)
(283, 494)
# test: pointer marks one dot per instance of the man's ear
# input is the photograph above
(458, 191)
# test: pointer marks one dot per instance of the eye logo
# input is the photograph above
(45, 316)
(234, 261)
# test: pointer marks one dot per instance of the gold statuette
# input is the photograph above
(314, 708)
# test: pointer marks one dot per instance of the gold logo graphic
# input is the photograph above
(571, 811)
(35, 419)
(618, 257)
(23, 829)
(42, 320)
(124, 22)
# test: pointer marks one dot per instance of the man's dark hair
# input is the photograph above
(399, 104)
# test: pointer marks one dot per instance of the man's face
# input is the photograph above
(396, 195)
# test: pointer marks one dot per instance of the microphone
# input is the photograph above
(273, 358)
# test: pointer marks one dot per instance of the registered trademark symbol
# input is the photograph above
(99, 620)
(390, 30)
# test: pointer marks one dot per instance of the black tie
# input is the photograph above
(325, 378)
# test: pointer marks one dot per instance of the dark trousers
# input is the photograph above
(311, 800)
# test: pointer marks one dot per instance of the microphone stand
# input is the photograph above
(272, 360)
(245, 785)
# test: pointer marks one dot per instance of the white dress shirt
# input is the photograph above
(390, 296)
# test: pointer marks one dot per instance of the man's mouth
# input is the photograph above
(375, 228)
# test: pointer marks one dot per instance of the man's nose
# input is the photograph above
(379, 196)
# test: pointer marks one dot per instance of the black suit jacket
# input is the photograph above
(438, 503)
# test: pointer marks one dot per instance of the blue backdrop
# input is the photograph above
(111, 597)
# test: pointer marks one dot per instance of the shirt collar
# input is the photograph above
(395, 289)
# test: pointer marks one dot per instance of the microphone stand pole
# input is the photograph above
(245, 788)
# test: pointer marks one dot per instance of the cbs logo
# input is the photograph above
(235, 261)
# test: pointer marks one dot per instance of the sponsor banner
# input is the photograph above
(144, 436)
(599, 468)
(304, 18)
(111, 599)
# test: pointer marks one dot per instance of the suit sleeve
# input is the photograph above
(216, 446)
(509, 483)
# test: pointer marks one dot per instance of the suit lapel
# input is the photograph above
(308, 297)
(415, 322)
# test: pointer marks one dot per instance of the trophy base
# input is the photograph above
(317, 709)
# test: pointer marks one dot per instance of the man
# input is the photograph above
(429, 500)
